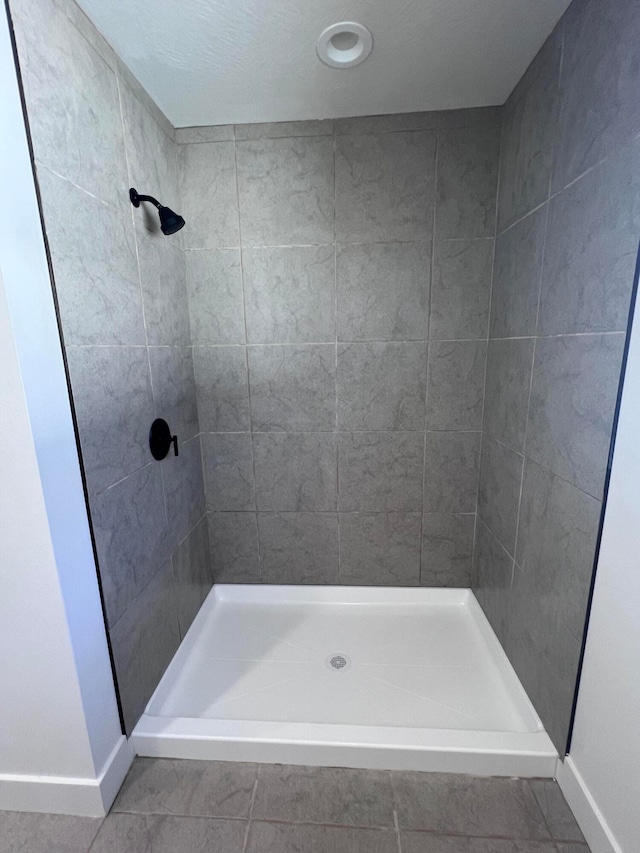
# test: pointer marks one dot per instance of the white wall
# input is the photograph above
(601, 778)
(58, 714)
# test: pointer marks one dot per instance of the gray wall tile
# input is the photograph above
(286, 190)
(235, 555)
(290, 294)
(516, 277)
(467, 182)
(591, 249)
(384, 186)
(278, 129)
(228, 470)
(114, 407)
(461, 290)
(456, 385)
(174, 389)
(164, 289)
(296, 472)
(383, 291)
(598, 103)
(214, 285)
(452, 468)
(380, 548)
(222, 388)
(184, 489)
(381, 386)
(299, 547)
(210, 165)
(192, 574)
(204, 133)
(492, 575)
(447, 549)
(528, 133)
(387, 123)
(573, 394)
(508, 381)
(499, 492)
(380, 471)
(293, 387)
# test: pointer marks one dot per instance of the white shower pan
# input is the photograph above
(369, 677)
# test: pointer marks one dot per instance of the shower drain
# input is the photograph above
(338, 661)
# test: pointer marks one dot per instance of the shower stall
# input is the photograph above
(385, 351)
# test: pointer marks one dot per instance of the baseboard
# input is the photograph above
(590, 819)
(68, 795)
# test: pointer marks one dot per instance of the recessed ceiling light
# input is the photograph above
(344, 45)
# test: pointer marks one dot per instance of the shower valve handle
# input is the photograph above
(160, 439)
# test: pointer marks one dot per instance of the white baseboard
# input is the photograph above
(590, 819)
(65, 794)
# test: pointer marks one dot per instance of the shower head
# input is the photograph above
(170, 222)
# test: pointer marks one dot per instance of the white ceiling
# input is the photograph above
(224, 61)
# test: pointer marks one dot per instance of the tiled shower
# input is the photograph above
(389, 346)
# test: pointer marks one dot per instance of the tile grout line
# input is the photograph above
(251, 805)
(335, 295)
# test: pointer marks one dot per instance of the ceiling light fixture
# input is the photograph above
(344, 45)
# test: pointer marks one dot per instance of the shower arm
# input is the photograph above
(136, 198)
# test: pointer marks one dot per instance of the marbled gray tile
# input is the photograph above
(94, 260)
(184, 489)
(506, 395)
(598, 102)
(192, 574)
(126, 833)
(235, 555)
(384, 186)
(174, 389)
(285, 188)
(72, 98)
(467, 180)
(324, 795)
(280, 129)
(293, 387)
(380, 471)
(143, 641)
(128, 79)
(591, 249)
(477, 805)
(469, 117)
(196, 835)
(296, 472)
(421, 842)
(381, 386)
(381, 548)
(447, 549)
(557, 537)
(211, 216)
(222, 388)
(204, 133)
(164, 289)
(46, 833)
(461, 290)
(114, 408)
(557, 813)
(528, 131)
(516, 277)
(129, 526)
(87, 29)
(298, 547)
(228, 471)
(456, 384)
(214, 285)
(383, 291)
(499, 491)
(292, 838)
(290, 294)
(492, 575)
(165, 786)
(573, 394)
(386, 123)
(452, 467)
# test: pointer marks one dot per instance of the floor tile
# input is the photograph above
(123, 833)
(467, 805)
(560, 820)
(302, 838)
(425, 842)
(324, 795)
(194, 835)
(46, 833)
(207, 788)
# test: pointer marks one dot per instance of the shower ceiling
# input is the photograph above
(235, 61)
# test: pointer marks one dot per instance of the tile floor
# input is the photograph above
(168, 806)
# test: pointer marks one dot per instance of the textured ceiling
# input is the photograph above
(223, 61)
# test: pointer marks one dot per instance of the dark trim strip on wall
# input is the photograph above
(62, 347)
(605, 496)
